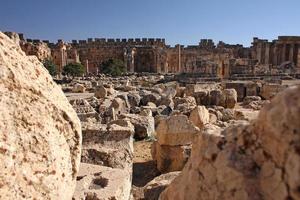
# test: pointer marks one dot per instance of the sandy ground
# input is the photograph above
(144, 168)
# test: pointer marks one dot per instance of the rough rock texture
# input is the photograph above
(153, 189)
(176, 130)
(110, 146)
(78, 88)
(143, 125)
(97, 182)
(83, 109)
(257, 160)
(230, 98)
(101, 92)
(199, 116)
(40, 133)
(268, 91)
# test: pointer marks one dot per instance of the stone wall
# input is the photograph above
(285, 48)
(154, 56)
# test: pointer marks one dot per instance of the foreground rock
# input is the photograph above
(257, 160)
(40, 132)
(105, 183)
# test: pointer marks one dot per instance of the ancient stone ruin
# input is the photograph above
(208, 122)
(207, 60)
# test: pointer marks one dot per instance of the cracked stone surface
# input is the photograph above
(250, 160)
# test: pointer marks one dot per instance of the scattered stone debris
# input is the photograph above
(256, 160)
(232, 136)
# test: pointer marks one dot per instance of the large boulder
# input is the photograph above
(143, 125)
(217, 98)
(176, 130)
(101, 92)
(40, 132)
(78, 88)
(257, 160)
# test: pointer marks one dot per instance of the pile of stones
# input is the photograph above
(81, 147)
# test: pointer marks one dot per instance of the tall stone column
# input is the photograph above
(132, 53)
(129, 59)
(179, 58)
(283, 52)
(298, 59)
(267, 54)
(291, 54)
(86, 66)
(259, 52)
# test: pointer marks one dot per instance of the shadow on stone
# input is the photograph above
(143, 173)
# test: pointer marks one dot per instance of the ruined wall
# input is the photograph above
(285, 48)
(37, 48)
(154, 56)
(205, 59)
(142, 54)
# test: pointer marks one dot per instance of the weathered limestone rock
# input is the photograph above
(250, 99)
(14, 37)
(105, 183)
(245, 114)
(170, 158)
(83, 109)
(134, 99)
(167, 101)
(78, 88)
(150, 97)
(185, 105)
(268, 91)
(119, 105)
(153, 189)
(230, 98)
(189, 100)
(170, 92)
(176, 130)
(202, 97)
(254, 102)
(110, 146)
(143, 125)
(151, 105)
(40, 133)
(257, 160)
(101, 92)
(199, 116)
(227, 114)
(217, 98)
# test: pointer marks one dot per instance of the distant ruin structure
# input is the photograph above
(154, 56)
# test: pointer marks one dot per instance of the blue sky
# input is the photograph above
(179, 21)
